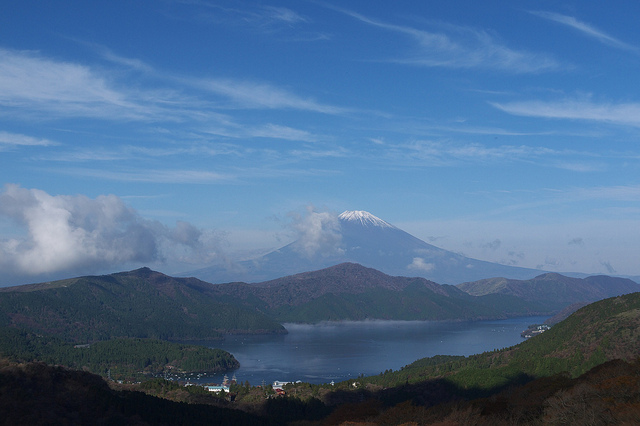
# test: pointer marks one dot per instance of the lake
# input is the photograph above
(327, 352)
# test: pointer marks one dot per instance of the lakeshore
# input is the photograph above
(322, 353)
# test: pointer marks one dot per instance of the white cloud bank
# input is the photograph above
(319, 233)
(76, 234)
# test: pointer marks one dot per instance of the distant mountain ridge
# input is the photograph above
(554, 290)
(349, 278)
(145, 303)
(369, 241)
(351, 291)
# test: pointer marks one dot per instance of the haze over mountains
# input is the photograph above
(360, 237)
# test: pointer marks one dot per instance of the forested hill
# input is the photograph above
(599, 332)
(140, 303)
(350, 291)
(119, 359)
(554, 290)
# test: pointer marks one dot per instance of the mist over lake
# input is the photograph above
(325, 352)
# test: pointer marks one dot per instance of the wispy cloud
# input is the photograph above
(225, 162)
(580, 166)
(618, 193)
(442, 154)
(239, 175)
(119, 154)
(451, 153)
(269, 130)
(132, 63)
(153, 176)
(248, 94)
(462, 47)
(242, 93)
(263, 20)
(314, 154)
(627, 114)
(275, 131)
(283, 14)
(256, 16)
(17, 139)
(585, 29)
(31, 83)
(552, 197)
(474, 130)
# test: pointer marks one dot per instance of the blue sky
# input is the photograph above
(175, 134)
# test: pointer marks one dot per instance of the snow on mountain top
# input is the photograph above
(365, 218)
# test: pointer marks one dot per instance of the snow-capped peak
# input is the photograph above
(364, 218)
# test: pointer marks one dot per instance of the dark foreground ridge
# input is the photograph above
(38, 394)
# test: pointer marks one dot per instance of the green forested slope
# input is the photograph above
(584, 370)
(125, 358)
(604, 330)
(353, 292)
(139, 303)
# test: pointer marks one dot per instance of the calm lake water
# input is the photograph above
(328, 352)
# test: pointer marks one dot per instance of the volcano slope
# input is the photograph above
(360, 237)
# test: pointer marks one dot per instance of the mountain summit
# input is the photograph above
(363, 218)
(360, 237)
